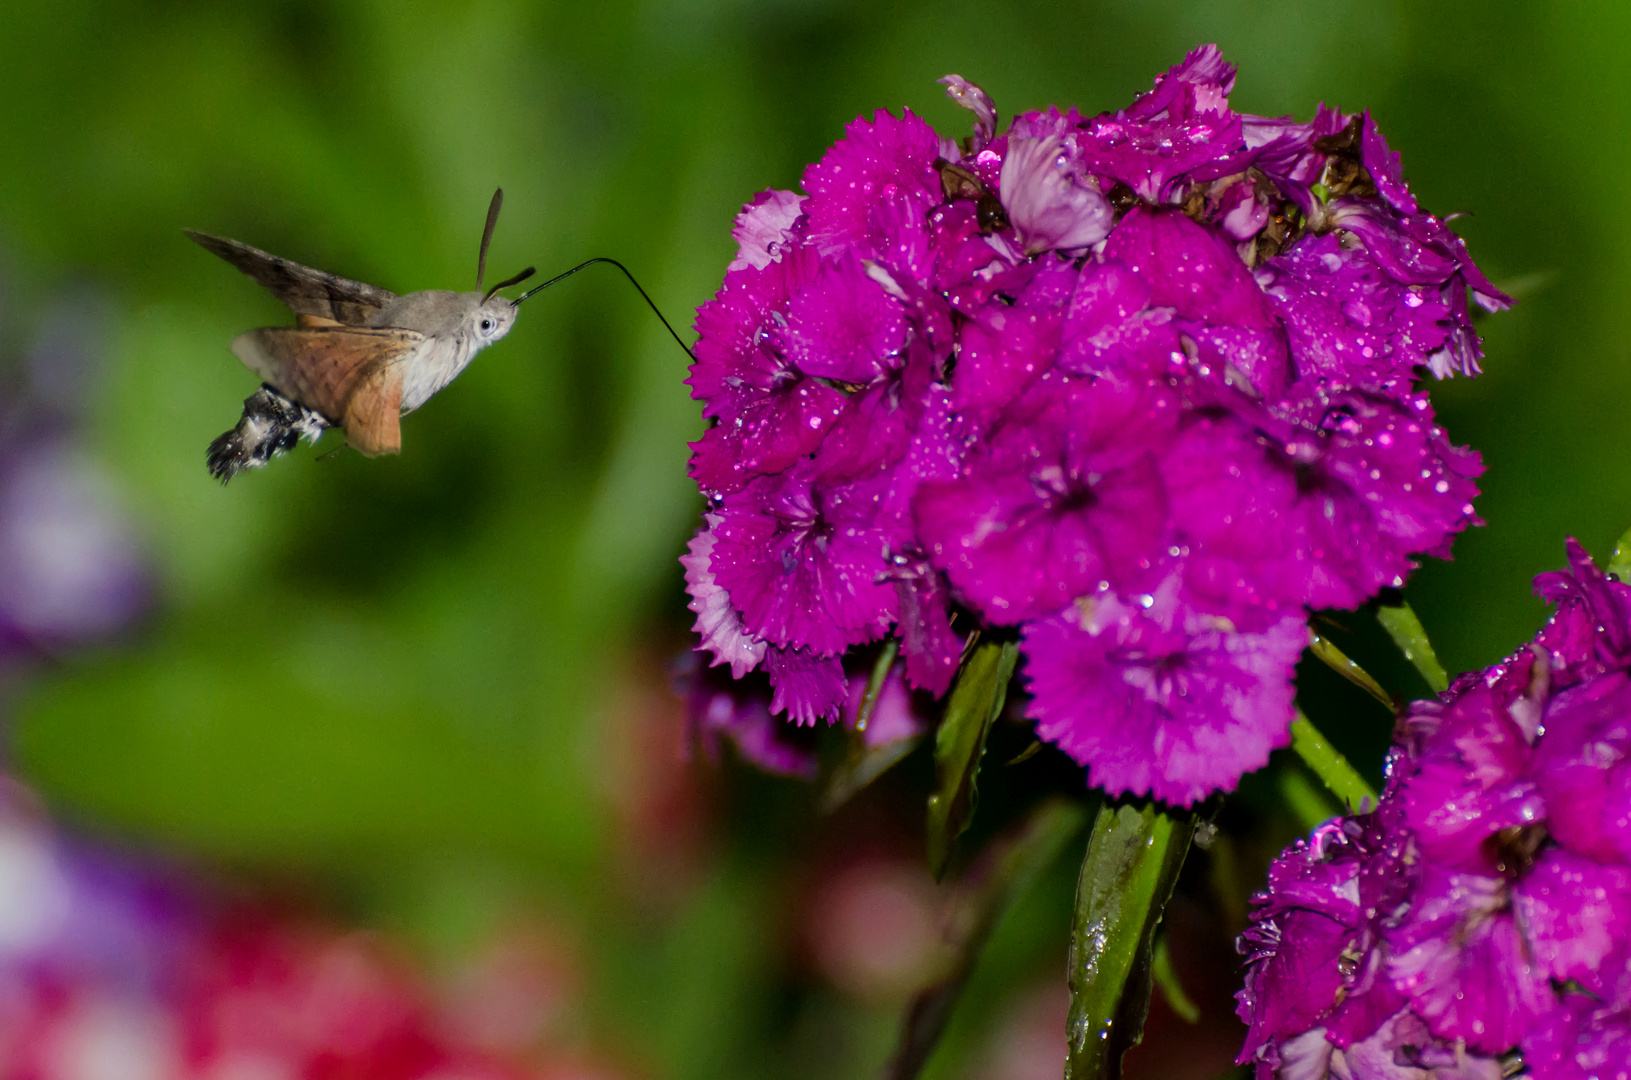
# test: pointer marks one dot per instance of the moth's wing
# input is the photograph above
(323, 367)
(373, 415)
(306, 291)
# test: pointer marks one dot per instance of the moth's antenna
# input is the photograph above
(487, 235)
(507, 282)
(649, 301)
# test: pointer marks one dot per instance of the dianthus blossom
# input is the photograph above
(1480, 916)
(1139, 388)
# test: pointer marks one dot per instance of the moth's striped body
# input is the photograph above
(271, 425)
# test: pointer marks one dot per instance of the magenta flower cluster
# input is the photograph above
(1138, 387)
(1480, 917)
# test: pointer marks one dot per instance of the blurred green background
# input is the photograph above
(413, 676)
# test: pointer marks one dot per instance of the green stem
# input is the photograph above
(1329, 765)
(874, 686)
(1407, 632)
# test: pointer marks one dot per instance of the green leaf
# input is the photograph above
(1004, 873)
(1026, 754)
(1620, 563)
(1407, 632)
(959, 744)
(859, 769)
(1132, 861)
(1339, 662)
(1329, 765)
(1310, 803)
(863, 764)
(1166, 977)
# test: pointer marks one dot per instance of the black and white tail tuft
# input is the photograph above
(271, 425)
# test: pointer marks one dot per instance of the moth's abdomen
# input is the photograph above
(271, 425)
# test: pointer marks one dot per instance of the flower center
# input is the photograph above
(1063, 491)
(1513, 850)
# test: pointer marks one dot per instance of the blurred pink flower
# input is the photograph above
(874, 929)
(112, 970)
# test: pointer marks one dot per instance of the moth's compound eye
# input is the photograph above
(487, 326)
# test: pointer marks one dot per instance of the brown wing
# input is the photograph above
(306, 291)
(373, 415)
(322, 367)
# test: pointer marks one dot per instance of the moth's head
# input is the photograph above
(491, 319)
(495, 314)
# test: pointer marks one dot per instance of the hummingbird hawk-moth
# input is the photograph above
(358, 356)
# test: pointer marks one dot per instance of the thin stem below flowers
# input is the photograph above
(1405, 628)
(1330, 766)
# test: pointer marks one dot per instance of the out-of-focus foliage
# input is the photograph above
(433, 678)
